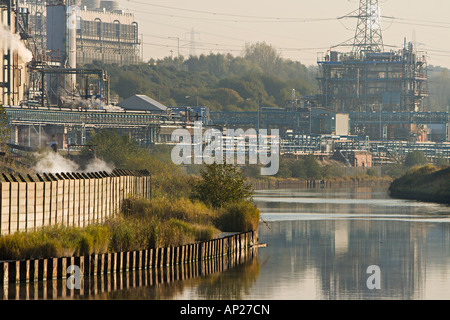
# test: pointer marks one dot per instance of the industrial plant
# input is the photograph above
(371, 100)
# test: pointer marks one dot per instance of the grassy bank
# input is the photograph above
(427, 183)
(142, 224)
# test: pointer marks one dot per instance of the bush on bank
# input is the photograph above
(242, 216)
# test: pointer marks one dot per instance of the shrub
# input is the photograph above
(242, 216)
(415, 158)
(221, 184)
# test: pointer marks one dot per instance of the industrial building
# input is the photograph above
(107, 34)
(15, 55)
(103, 31)
(370, 79)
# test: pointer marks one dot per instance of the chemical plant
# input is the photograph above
(371, 100)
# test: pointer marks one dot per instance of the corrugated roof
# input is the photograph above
(140, 102)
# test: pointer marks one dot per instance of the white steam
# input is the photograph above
(10, 41)
(51, 162)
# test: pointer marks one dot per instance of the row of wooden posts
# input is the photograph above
(66, 199)
(97, 264)
(315, 184)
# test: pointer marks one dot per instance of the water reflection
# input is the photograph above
(319, 246)
(322, 249)
(156, 283)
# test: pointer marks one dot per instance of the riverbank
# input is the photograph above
(322, 184)
(34, 270)
(428, 183)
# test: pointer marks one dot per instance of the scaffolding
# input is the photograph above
(373, 81)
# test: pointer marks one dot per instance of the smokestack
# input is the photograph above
(73, 12)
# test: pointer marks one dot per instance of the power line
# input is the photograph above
(232, 20)
(272, 19)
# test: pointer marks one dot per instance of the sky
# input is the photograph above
(300, 30)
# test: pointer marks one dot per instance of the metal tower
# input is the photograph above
(368, 35)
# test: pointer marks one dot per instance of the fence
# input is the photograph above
(66, 199)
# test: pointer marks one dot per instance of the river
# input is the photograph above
(320, 245)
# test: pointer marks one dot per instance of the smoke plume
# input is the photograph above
(51, 162)
(10, 41)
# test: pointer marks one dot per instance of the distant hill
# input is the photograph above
(427, 183)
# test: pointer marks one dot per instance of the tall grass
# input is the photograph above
(55, 241)
(239, 216)
(142, 224)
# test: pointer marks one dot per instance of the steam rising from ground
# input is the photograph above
(51, 162)
(10, 41)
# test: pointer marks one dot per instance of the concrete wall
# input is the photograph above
(66, 199)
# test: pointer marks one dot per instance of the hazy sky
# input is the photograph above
(298, 29)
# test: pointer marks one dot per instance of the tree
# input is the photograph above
(128, 84)
(415, 158)
(4, 130)
(221, 184)
(312, 167)
(264, 55)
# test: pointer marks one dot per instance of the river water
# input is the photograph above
(320, 244)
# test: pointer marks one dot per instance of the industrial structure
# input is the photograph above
(102, 30)
(15, 55)
(371, 107)
(370, 79)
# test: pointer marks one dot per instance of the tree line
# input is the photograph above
(259, 77)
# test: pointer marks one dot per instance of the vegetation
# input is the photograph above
(221, 185)
(54, 242)
(232, 83)
(240, 216)
(222, 82)
(183, 209)
(427, 183)
(4, 130)
(415, 158)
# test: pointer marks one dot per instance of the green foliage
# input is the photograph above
(124, 153)
(306, 167)
(415, 158)
(221, 82)
(4, 130)
(52, 242)
(427, 183)
(240, 216)
(220, 185)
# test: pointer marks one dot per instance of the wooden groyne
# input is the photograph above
(102, 286)
(316, 184)
(27, 271)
